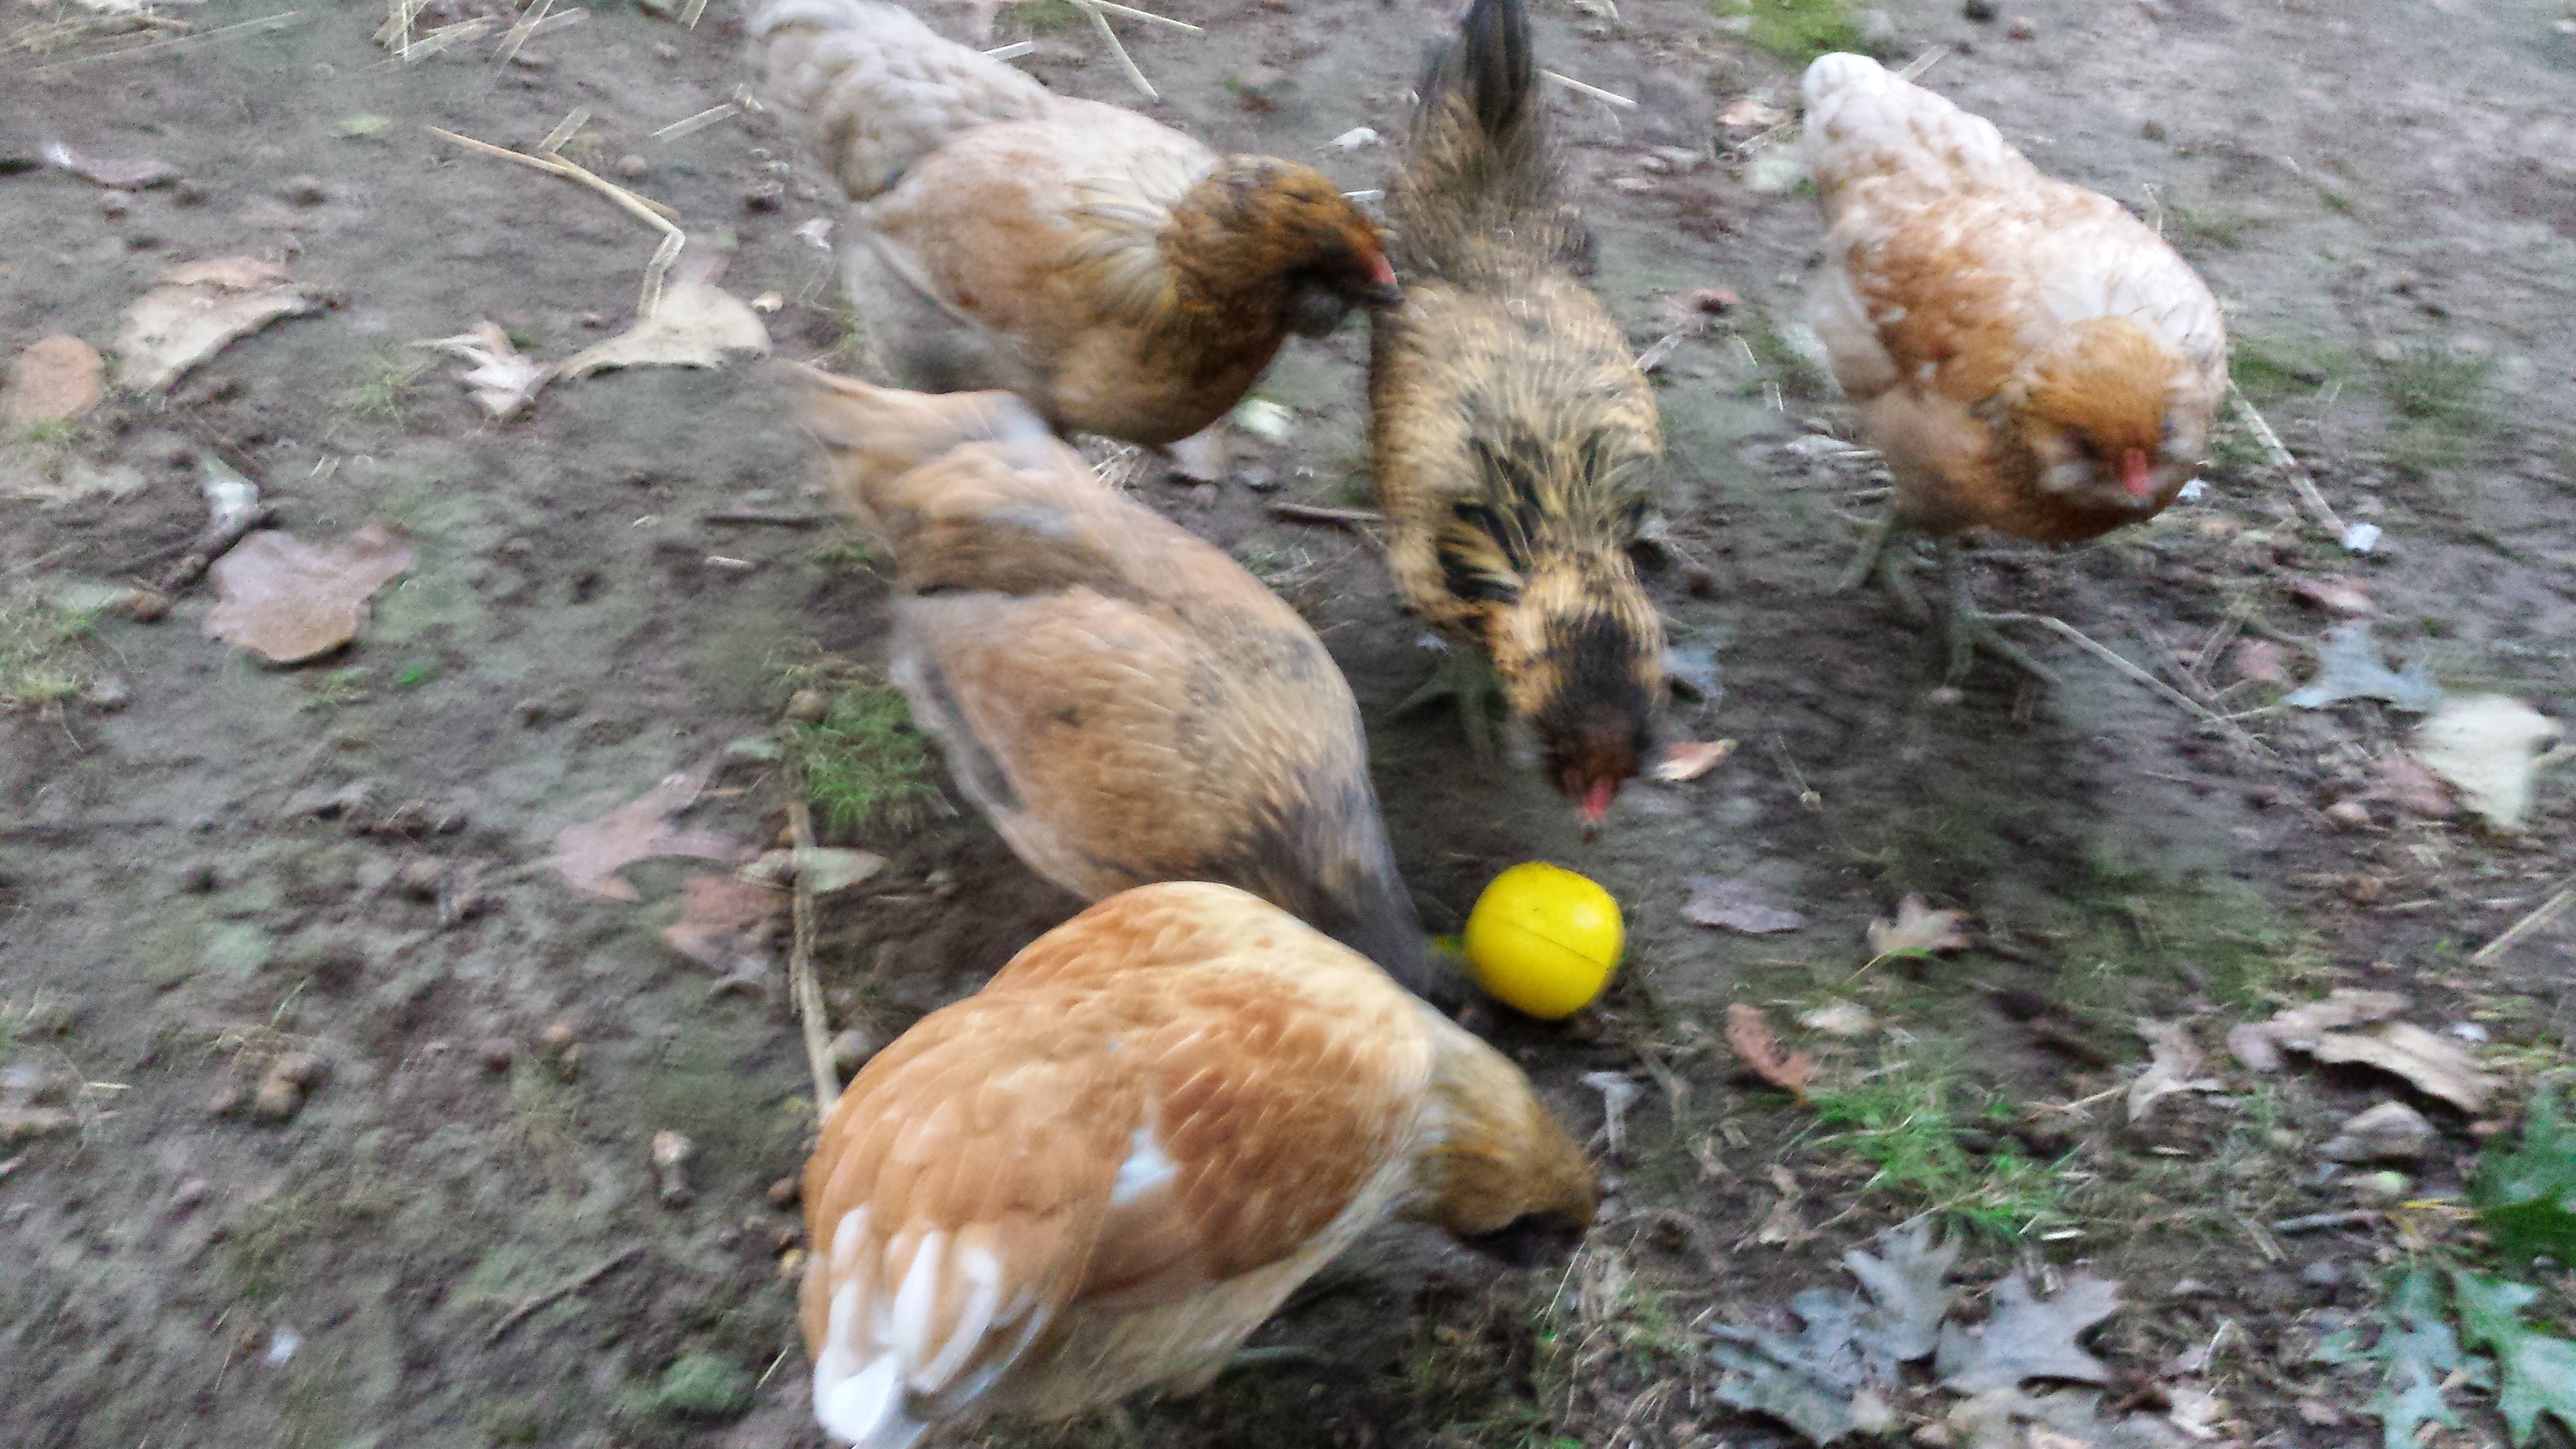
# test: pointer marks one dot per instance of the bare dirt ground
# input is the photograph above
(207, 863)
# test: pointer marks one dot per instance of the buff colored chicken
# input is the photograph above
(1104, 1170)
(1124, 701)
(2028, 356)
(1515, 439)
(1120, 276)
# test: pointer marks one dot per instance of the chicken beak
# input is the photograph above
(1596, 801)
(2136, 476)
(1382, 290)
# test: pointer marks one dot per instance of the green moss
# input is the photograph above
(861, 765)
(1798, 30)
(702, 1386)
(43, 653)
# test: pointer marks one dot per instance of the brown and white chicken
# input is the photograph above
(2027, 355)
(1120, 276)
(1105, 1169)
(1123, 700)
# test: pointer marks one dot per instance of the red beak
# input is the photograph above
(1596, 801)
(1382, 288)
(2135, 476)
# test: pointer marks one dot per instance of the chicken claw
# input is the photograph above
(1894, 569)
(1971, 626)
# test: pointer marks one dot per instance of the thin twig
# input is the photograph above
(1338, 517)
(566, 1288)
(1132, 13)
(1598, 94)
(744, 517)
(810, 1012)
(689, 125)
(2318, 1222)
(1091, 11)
(206, 547)
(2113, 658)
(651, 212)
(519, 33)
(2540, 916)
(2281, 458)
(159, 46)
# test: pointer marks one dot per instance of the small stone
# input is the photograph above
(420, 879)
(632, 166)
(2022, 29)
(496, 1053)
(276, 1100)
(227, 1100)
(190, 1194)
(108, 693)
(807, 706)
(2323, 1273)
(671, 1154)
(784, 1192)
(1980, 11)
(144, 606)
(200, 879)
(850, 1051)
(791, 1264)
(558, 1036)
(2389, 1132)
(304, 191)
(2381, 1186)
(302, 1069)
(785, 1240)
(2349, 815)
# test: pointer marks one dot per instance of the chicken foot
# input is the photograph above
(1970, 626)
(1467, 676)
(1882, 552)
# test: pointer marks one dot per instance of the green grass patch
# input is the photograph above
(384, 387)
(1910, 1121)
(2274, 369)
(862, 765)
(43, 652)
(1049, 17)
(2128, 928)
(1798, 30)
(849, 551)
(2439, 397)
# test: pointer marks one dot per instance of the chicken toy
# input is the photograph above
(2027, 355)
(1124, 701)
(1104, 1170)
(1515, 439)
(1121, 277)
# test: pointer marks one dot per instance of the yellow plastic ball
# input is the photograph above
(1544, 941)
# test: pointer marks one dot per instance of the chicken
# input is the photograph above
(1123, 700)
(1105, 1169)
(1515, 440)
(1121, 277)
(2028, 356)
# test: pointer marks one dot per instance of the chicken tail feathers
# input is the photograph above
(1479, 181)
(868, 89)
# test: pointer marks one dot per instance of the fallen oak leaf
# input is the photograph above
(290, 601)
(693, 325)
(2489, 749)
(590, 854)
(2436, 1065)
(56, 378)
(2258, 1044)
(2028, 1337)
(501, 379)
(1736, 904)
(139, 174)
(1687, 760)
(726, 923)
(1918, 930)
(193, 311)
(2175, 1056)
(1749, 1033)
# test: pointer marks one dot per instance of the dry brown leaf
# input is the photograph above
(1749, 1033)
(1751, 113)
(194, 311)
(2437, 1065)
(1918, 930)
(290, 601)
(1783, 1226)
(1687, 760)
(2339, 596)
(1736, 904)
(2489, 748)
(501, 380)
(2262, 661)
(590, 854)
(2175, 1057)
(56, 378)
(694, 325)
(726, 922)
(2258, 1044)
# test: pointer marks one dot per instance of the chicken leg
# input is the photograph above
(1882, 552)
(1467, 676)
(1970, 626)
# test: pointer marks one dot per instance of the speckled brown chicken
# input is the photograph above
(1123, 700)
(1121, 277)
(1515, 440)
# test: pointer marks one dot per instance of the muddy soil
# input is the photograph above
(211, 863)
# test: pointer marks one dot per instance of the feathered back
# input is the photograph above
(1863, 122)
(1109, 1166)
(1477, 195)
(869, 89)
